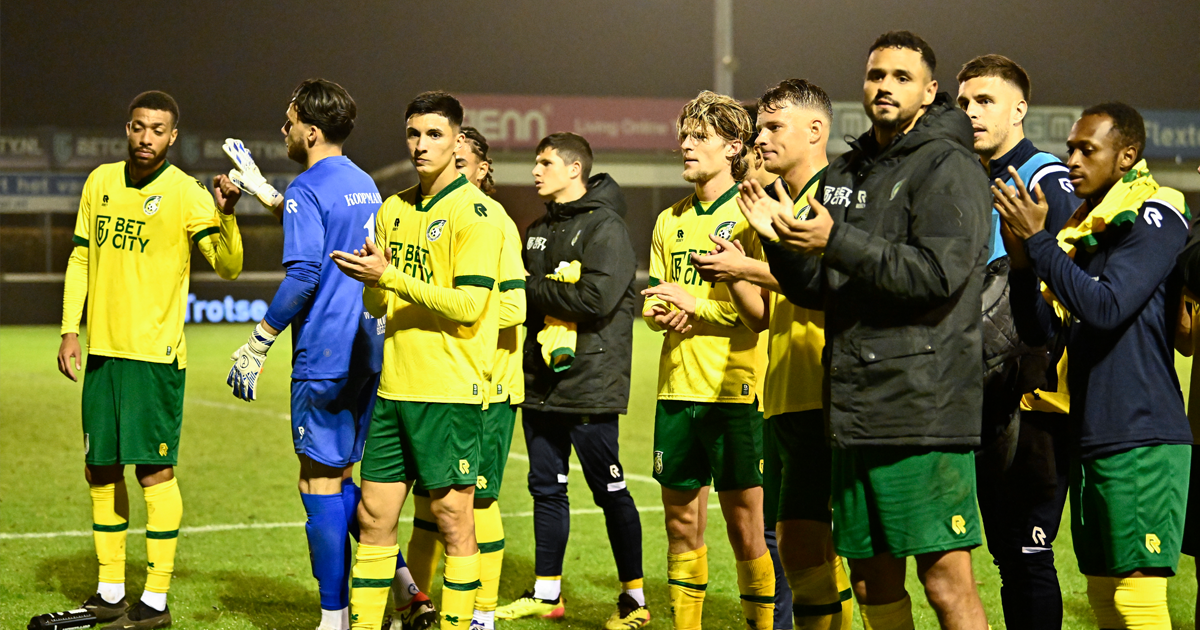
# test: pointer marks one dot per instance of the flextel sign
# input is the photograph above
(513, 122)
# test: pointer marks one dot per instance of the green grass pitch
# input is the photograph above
(242, 560)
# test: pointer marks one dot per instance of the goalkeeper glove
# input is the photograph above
(248, 364)
(247, 176)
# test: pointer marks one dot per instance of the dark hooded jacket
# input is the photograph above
(591, 230)
(900, 284)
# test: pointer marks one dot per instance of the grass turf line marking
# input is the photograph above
(204, 529)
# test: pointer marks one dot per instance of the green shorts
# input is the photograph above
(132, 411)
(436, 444)
(796, 467)
(698, 444)
(1127, 509)
(904, 501)
(498, 422)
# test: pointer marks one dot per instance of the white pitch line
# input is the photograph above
(204, 529)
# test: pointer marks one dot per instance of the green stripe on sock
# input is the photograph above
(425, 525)
(174, 533)
(455, 586)
(491, 547)
(206, 232)
(821, 610)
(96, 527)
(369, 583)
(761, 599)
(694, 587)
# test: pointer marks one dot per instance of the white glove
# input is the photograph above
(248, 363)
(247, 176)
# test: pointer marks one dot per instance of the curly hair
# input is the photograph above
(479, 146)
(716, 113)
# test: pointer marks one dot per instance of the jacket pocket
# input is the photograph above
(874, 350)
(897, 383)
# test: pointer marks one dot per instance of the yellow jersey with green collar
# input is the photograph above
(720, 359)
(510, 379)
(797, 337)
(448, 240)
(135, 242)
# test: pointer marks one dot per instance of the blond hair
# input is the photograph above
(710, 113)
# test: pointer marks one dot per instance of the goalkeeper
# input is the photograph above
(336, 347)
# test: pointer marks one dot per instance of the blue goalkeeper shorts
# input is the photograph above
(330, 418)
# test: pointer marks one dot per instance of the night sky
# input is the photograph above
(232, 65)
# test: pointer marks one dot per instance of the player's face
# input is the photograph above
(551, 175)
(995, 107)
(150, 132)
(432, 142)
(295, 135)
(706, 155)
(1093, 157)
(897, 86)
(785, 136)
(469, 164)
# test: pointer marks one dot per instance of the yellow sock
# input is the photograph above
(687, 577)
(1100, 592)
(110, 521)
(816, 599)
(489, 532)
(845, 594)
(460, 583)
(1142, 603)
(893, 616)
(756, 581)
(425, 549)
(164, 511)
(374, 568)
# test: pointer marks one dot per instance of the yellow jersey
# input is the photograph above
(132, 260)
(797, 337)
(719, 360)
(439, 345)
(510, 377)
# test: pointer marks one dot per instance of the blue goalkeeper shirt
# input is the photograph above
(328, 207)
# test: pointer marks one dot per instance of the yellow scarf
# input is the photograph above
(558, 337)
(1119, 207)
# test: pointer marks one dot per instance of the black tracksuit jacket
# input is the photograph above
(591, 230)
(900, 284)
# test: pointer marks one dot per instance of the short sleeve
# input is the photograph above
(201, 210)
(83, 220)
(303, 227)
(512, 271)
(477, 246)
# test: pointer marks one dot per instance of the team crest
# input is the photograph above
(435, 230)
(802, 213)
(658, 462)
(152, 204)
(725, 230)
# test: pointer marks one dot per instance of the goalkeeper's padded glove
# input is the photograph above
(246, 175)
(248, 364)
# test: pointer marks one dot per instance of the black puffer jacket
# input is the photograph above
(900, 285)
(591, 230)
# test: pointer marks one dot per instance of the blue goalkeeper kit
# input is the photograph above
(337, 349)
